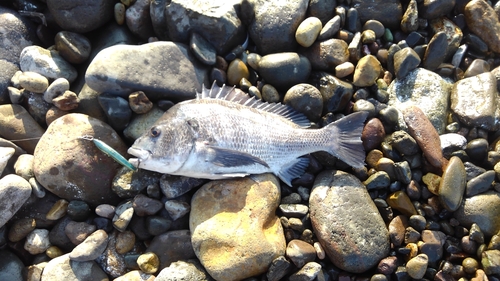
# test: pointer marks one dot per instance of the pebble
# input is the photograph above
(368, 36)
(145, 206)
(270, 94)
(400, 201)
(300, 252)
(220, 218)
(14, 191)
(175, 186)
(470, 111)
(389, 13)
(308, 31)
(183, 270)
(113, 70)
(78, 210)
(307, 273)
(119, 13)
(452, 185)
(172, 246)
(452, 142)
(373, 134)
(202, 49)
(37, 241)
(24, 166)
(435, 51)
(148, 262)
(136, 275)
(86, 18)
(33, 82)
(105, 211)
(73, 47)
(55, 89)
(480, 184)
(330, 28)
(477, 66)
(117, 110)
(336, 93)
(378, 180)
(125, 242)
(306, 99)
(367, 71)
(490, 261)
(482, 21)
(433, 245)
(236, 71)
(294, 210)
(58, 210)
(62, 268)
(91, 248)
(20, 229)
(422, 130)
(417, 266)
(123, 214)
(481, 209)
(344, 69)
(77, 232)
(278, 268)
(16, 123)
(47, 63)
(177, 209)
(409, 22)
(325, 211)
(405, 60)
(13, 268)
(284, 69)
(326, 55)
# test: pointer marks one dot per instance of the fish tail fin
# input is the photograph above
(346, 139)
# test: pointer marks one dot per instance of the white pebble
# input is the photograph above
(37, 241)
(56, 88)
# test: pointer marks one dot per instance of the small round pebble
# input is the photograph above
(306, 99)
(74, 47)
(270, 94)
(237, 69)
(148, 262)
(376, 26)
(58, 210)
(20, 229)
(67, 101)
(55, 89)
(470, 265)
(33, 82)
(344, 69)
(125, 242)
(308, 31)
(139, 102)
(37, 241)
(105, 211)
(54, 252)
(300, 252)
(119, 13)
(78, 210)
(417, 266)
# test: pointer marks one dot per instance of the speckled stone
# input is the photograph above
(479, 184)
(373, 134)
(300, 252)
(47, 63)
(452, 185)
(483, 21)
(389, 13)
(482, 209)
(91, 248)
(417, 266)
(33, 82)
(326, 55)
(367, 71)
(328, 210)
(306, 99)
(409, 22)
(14, 191)
(330, 28)
(62, 269)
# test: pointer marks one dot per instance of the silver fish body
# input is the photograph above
(225, 133)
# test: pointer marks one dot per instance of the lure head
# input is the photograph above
(165, 146)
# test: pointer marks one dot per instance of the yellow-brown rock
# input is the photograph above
(235, 231)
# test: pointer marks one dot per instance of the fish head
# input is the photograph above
(163, 148)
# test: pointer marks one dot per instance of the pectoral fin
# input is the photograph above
(232, 158)
(293, 170)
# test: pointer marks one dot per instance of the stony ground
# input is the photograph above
(425, 206)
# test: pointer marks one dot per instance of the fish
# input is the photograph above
(225, 133)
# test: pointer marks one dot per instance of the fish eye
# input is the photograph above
(155, 132)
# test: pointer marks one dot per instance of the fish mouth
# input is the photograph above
(141, 155)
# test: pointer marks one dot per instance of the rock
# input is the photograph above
(202, 49)
(125, 242)
(127, 183)
(37, 241)
(482, 20)
(306, 99)
(148, 262)
(479, 184)
(491, 262)
(409, 22)
(55, 89)
(326, 55)
(477, 66)
(475, 101)
(344, 69)
(336, 93)
(328, 210)
(367, 71)
(430, 9)
(300, 252)
(172, 246)
(139, 102)
(405, 60)
(426, 89)
(117, 110)
(135, 275)
(183, 270)
(62, 155)
(138, 19)
(63, 269)
(123, 69)
(209, 18)
(452, 185)
(33, 82)
(12, 267)
(324, 10)
(283, 70)
(235, 232)
(140, 123)
(433, 245)
(270, 94)
(389, 13)
(67, 101)
(175, 186)
(401, 202)
(73, 47)
(14, 191)
(145, 206)
(404, 143)
(269, 35)
(452, 142)
(453, 33)
(307, 272)
(177, 209)
(417, 266)
(278, 269)
(91, 248)
(47, 63)
(435, 51)
(481, 209)
(308, 31)
(81, 17)
(123, 214)
(236, 71)
(330, 28)
(17, 124)
(373, 134)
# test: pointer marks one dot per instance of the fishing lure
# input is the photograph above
(108, 150)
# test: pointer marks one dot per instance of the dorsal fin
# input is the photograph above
(234, 94)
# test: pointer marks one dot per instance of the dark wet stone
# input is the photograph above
(117, 110)
(352, 21)
(157, 225)
(373, 134)
(12, 267)
(158, 19)
(336, 93)
(325, 214)
(78, 210)
(81, 17)
(430, 9)
(278, 269)
(482, 20)
(436, 51)
(477, 66)
(74, 47)
(452, 184)
(405, 60)
(20, 229)
(202, 49)
(138, 19)
(330, 28)
(480, 183)
(172, 246)
(326, 55)
(389, 13)
(433, 244)
(476, 43)
(175, 186)
(145, 206)
(477, 149)
(306, 99)
(284, 70)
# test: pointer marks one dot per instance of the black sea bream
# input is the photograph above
(225, 133)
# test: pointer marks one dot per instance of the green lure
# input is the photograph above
(108, 150)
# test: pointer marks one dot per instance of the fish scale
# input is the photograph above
(224, 133)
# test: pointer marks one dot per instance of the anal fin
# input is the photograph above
(293, 170)
(232, 158)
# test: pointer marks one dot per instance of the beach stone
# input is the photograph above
(123, 69)
(140, 123)
(422, 130)
(483, 21)
(55, 89)
(135, 275)
(300, 252)
(367, 71)
(389, 13)
(305, 99)
(123, 215)
(73, 47)
(417, 266)
(235, 232)
(401, 202)
(308, 31)
(490, 261)
(433, 245)
(37, 241)
(12, 267)
(207, 17)
(202, 49)
(477, 66)
(334, 203)
(67, 101)
(430, 9)
(326, 55)
(91, 248)
(48, 63)
(16, 123)
(172, 246)
(236, 71)
(481, 209)
(138, 19)
(77, 232)
(435, 51)
(63, 268)
(139, 102)
(404, 143)
(33, 82)
(409, 22)
(125, 242)
(148, 262)
(452, 184)
(373, 134)
(269, 34)
(183, 270)
(283, 70)
(330, 28)
(344, 69)
(117, 110)
(475, 101)
(480, 183)
(176, 209)
(322, 9)
(14, 191)
(307, 273)
(62, 155)
(336, 93)
(405, 60)
(452, 142)
(270, 94)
